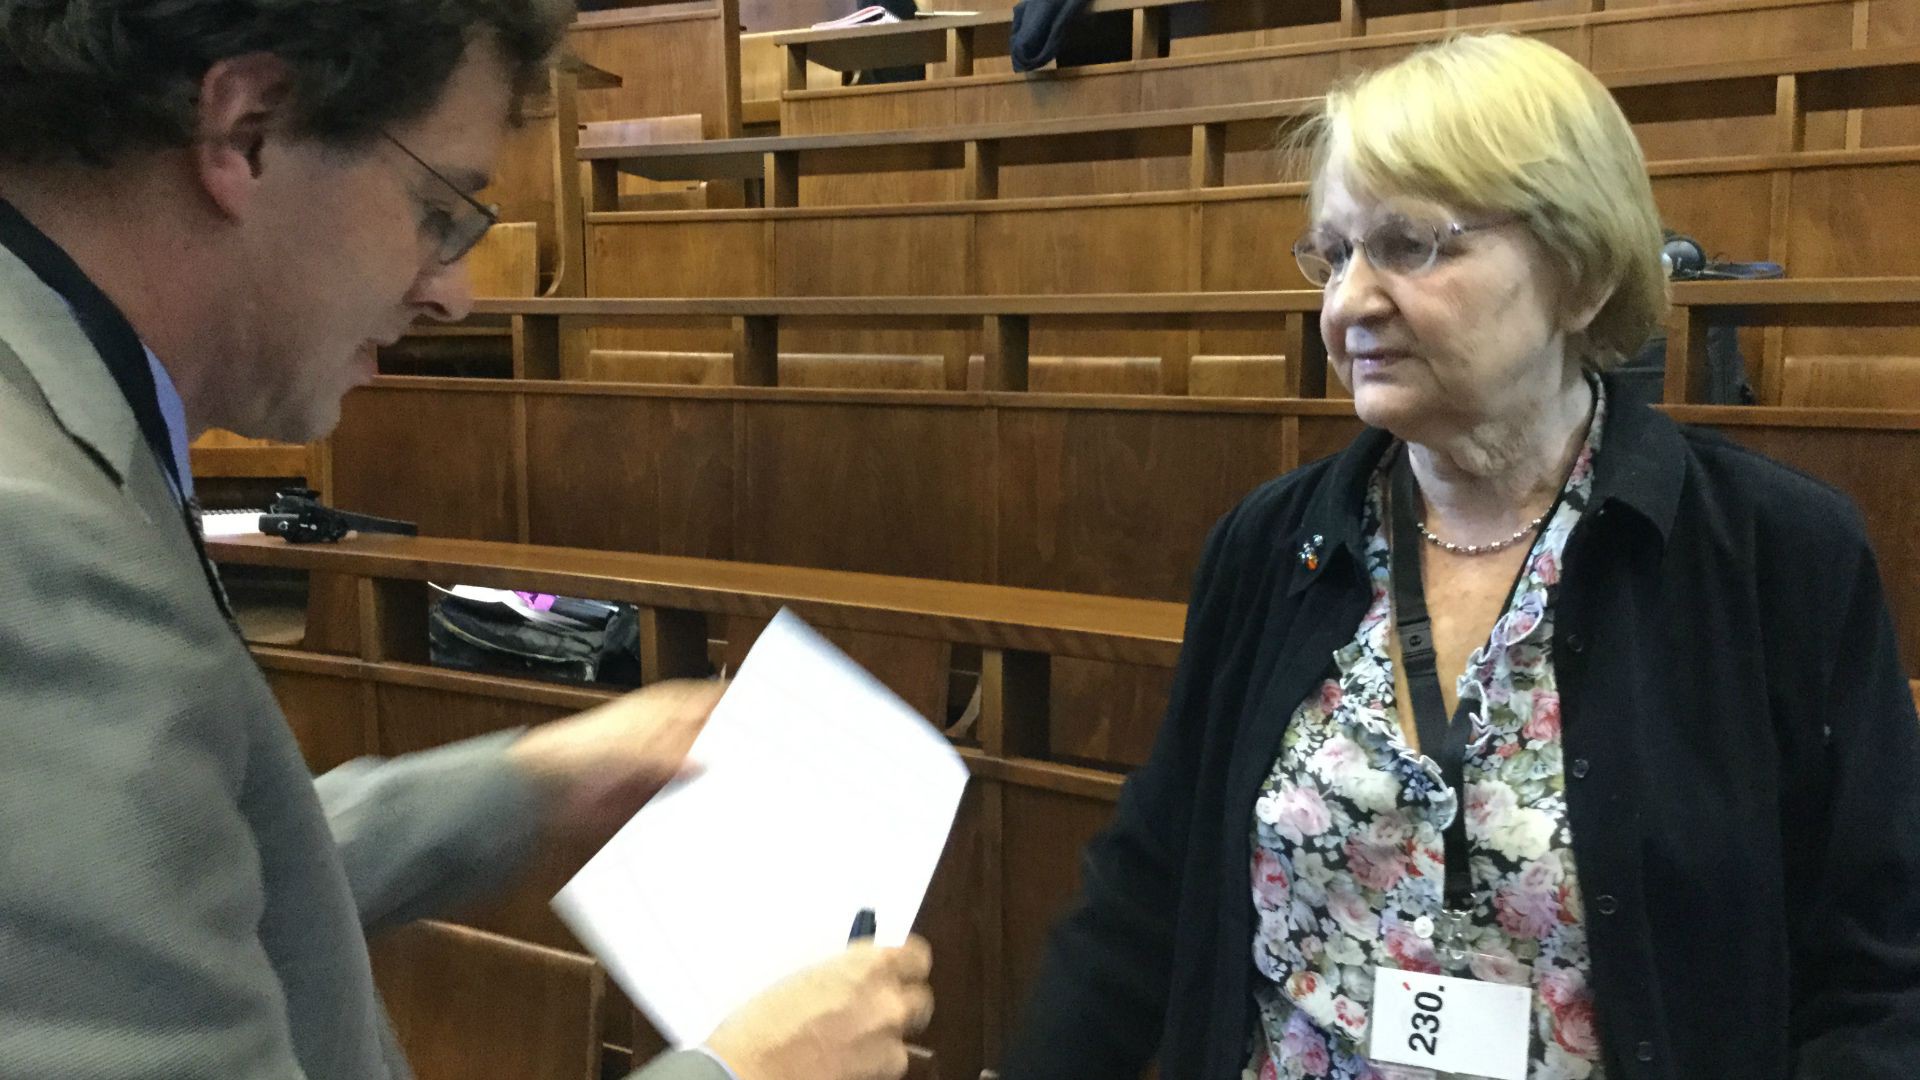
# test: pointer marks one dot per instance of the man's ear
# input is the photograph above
(243, 102)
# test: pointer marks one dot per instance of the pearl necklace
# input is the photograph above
(1478, 549)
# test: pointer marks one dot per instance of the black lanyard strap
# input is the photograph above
(1442, 738)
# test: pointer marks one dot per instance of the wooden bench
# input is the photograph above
(1304, 60)
(1783, 89)
(359, 683)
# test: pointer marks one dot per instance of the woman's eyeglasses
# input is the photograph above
(454, 232)
(1396, 246)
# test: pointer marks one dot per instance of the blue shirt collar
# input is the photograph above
(174, 412)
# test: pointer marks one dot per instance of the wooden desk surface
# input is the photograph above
(992, 616)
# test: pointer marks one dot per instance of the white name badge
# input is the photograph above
(1461, 1026)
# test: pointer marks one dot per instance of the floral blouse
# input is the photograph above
(1347, 835)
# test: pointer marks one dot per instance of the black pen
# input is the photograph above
(863, 926)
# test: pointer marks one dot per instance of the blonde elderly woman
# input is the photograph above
(1533, 735)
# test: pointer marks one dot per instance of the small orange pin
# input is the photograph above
(1310, 552)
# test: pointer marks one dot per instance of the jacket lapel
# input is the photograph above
(39, 328)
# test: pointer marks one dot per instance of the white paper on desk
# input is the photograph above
(823, 793)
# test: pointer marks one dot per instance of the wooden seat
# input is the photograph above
(469, 1004)
(1851, 382)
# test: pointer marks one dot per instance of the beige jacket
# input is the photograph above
(179, 898)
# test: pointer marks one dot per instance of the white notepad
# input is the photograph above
(218, 523)
(823, 793)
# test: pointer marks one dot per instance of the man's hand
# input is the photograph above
(846, 1019)
(604, 764)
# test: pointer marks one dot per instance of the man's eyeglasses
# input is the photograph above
(1396, 245)
(455, 232)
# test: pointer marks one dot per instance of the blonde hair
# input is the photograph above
(1503, 124)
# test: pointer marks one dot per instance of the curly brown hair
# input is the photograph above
(92, 80)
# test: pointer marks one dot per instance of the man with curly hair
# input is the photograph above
(211, 213)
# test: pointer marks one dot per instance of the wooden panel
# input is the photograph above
(442, 460)
(867, 372)
(1325, 436)
(673, 258)
(523, 183)
(875, 112)
(858, 487)
(1892, 22)
(1120, 502)
(1106, 714)
(631, 474)
(523, 908)
(1102, 249)
(1851, 382)
(1229, 82)
(955, 920)
(1880, 471)
(1248, 244)
(915, 668)
(1031, 99)
(1840, 226)
(1237, 376)
(327, 715)
(466, 1004)
(506, 262)
(1727, 213)
(653, 366)
(416, 718)
(1706, 121)
(1734, 35)
(1094, 374)
(651, 85)
(873, 256)
(1045, 832)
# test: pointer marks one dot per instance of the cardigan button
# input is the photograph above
(1580, 768)
(1606, 904)
(1644, 1052)
(1576, 643)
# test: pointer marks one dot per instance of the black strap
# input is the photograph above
(1442, 738)
(112, 336)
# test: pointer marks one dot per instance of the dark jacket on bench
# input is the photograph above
(1743, 761)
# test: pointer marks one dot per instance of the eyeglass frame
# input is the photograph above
(452, 241)
(1442, 233)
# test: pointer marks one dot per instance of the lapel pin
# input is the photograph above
(1310, 552)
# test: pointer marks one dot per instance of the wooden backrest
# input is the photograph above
(1237, 376)
(223, 455)
(1851, 382)
(466, 1003)
(506, 262)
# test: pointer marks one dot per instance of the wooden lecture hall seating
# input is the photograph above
(962, 369)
